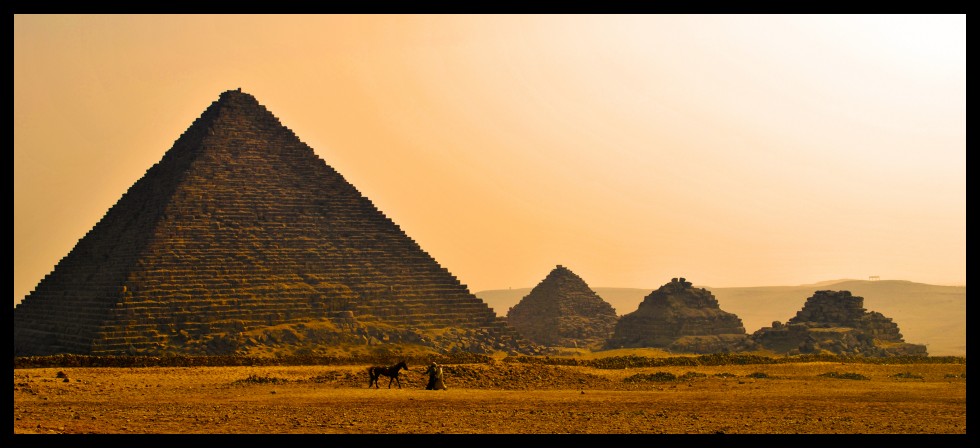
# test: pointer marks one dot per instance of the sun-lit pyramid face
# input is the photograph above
(240, 226)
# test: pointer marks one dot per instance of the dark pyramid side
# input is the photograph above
(241, 227)
(562, 311)
(680, 318)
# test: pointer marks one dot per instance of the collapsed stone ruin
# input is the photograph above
(680, 318)
(837, 322)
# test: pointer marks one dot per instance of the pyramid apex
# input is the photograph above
(235, 94)
(560, 270)
(238, 100)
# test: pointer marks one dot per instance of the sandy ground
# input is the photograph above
(493, 399)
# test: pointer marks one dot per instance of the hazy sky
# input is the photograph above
(733, 150)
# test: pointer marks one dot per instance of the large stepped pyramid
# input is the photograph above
(241, 226)
(563, 311)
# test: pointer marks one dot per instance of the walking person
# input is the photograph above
(435, 377)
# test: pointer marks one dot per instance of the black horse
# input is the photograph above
(390, 372)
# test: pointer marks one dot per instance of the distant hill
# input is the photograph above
(933, 315)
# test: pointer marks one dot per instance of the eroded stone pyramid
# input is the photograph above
(562, 311)
(837, 322)
(242, 236)
(680, 318)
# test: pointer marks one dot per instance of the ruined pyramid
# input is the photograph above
(680, 318)
(562, 311)
(836, 322)
(241, 228)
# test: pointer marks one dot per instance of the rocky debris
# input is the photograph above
(681, 318)
(349, 334)
(563, 311)
(493, 375)
(241, 226)
(837, 322)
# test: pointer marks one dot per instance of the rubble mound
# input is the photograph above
(680, 318)
(837, 322)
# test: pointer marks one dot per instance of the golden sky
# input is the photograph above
(733, 150)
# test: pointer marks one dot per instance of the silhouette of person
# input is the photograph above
(435, 377)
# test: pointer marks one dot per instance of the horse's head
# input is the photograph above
(402, 365)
